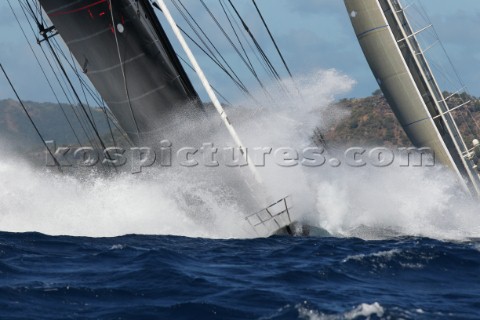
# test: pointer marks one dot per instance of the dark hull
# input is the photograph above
(298, 229)
(141, 79)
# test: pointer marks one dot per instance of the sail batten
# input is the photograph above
(453, 135)
(404, 75)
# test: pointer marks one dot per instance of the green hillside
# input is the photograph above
(17, 131)
(370, 121)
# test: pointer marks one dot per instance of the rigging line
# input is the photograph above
(70, 95)
(228, 38)
(242, 32)
(110, 120)
(216, 91)
(461, 83)
(122, 132)
(89, 108)
(109, 126)
(55, 74)
(270, 65)
(233, 45)
(236, 34)
(97, 99)
(103, 108)
(184, 15)
(24, 10)
(84, 86)
(467, 123)
(257, 45)
(32, 15)
(123, 69)
(427, 17)
(277, 47)
(207, 38)
(100, 102)
(187, 20)
(92, 141)
(239, 85)
(207, 87)
(91, 92)
(235, 78)
(76, 95)
(39, 8)
(259, 48)
(30, 118)
(75, 70)
(443, 72)
(93, 95)
(272, 38)
(45, 75)
(55, 43)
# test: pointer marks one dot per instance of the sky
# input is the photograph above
(312, 34)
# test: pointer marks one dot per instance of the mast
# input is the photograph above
(459, 149)
(407, 81)
(208, 88)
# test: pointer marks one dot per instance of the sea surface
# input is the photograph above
(164, 277)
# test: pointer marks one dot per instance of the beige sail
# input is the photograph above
(404, 75)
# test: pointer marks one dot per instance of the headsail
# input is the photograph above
(126, 54)
(404, 75)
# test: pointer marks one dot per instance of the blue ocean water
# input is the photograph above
(163, 277)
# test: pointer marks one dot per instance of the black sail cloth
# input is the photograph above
(127, 56)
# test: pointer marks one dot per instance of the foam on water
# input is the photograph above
(403, 201)
(97, 206)
(344, 201)
(363, 311)
(382, 254)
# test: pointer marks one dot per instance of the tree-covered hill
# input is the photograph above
(51, 119)
(370, 121)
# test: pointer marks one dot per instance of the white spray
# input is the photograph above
(410, 201)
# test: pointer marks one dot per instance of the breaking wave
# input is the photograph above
(362, 311)
(379, 203)
(368, 202)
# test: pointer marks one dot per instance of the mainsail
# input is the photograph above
(126, 54)
(122, 48)
(409, 85)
